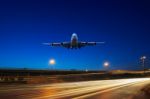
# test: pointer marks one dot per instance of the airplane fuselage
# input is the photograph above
(74, 41)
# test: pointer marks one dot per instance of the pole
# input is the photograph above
(144, 65)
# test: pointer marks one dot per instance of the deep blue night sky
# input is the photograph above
(123, 24)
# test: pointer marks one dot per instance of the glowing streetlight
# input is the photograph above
(143, 57)
(106, 65)
(52, 62)
(143, 62)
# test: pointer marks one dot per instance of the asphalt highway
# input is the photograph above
(101, 89)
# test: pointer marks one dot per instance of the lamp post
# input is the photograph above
(106, 65)
(143, 58)
(52, 62)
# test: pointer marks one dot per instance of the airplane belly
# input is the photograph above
(74, 43)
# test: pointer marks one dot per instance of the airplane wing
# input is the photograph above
(52, 44)
(82, 44)
(63, 44)
(66, 44)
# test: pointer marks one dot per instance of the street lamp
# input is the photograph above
(143, 58)
(52, 62)
(106, 65)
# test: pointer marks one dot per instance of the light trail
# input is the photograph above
(76, 90)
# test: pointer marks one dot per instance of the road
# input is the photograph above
(102, 89)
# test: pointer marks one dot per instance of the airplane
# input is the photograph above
(74, 44)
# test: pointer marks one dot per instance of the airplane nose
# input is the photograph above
(74, 34)
(74, 37)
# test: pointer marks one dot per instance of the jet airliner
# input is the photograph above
(74, 43)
